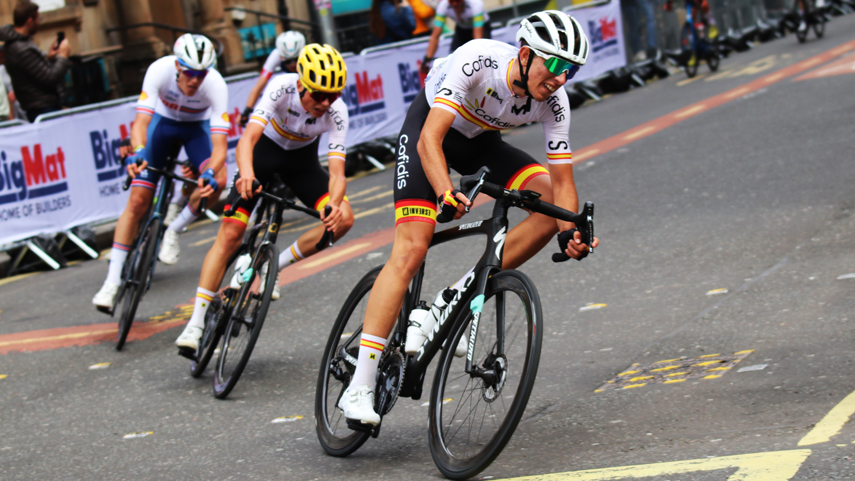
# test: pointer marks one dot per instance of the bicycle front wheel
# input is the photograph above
(337, 367)
(246, 321)
(137, 280)
(819, 24)
(473, 416)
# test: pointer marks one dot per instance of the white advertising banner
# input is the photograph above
(66, 172)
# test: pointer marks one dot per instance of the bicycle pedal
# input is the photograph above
(105, 310)
(188, 353)
(361, 427)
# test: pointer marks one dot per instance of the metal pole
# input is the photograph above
(325, 18)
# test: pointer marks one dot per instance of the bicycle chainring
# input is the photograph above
(389, 381)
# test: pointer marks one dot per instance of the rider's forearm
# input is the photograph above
(433, 43)
(256, 92)
(243, 152)
(338, 183)
(434, 165)
(219, 152)
(139, 130)
(564, 191)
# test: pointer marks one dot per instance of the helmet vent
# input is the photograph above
(577, 35)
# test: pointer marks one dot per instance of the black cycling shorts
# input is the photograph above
(415, 199)
(299, 169)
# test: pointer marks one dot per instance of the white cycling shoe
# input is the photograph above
(106, 296)
(189, 339)
(357, 404)
(169, 248)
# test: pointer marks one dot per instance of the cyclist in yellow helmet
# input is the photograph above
(282, 137)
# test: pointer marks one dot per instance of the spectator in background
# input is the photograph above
(471, 22)
(424, 16)
(36, 77)
(633, 10)
(391, 21)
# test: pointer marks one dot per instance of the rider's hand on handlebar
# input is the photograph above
(208, 189)
(451, 205)
(131, 162)
(244, 187)
(574, 247)
(332, 220)
(244, 117)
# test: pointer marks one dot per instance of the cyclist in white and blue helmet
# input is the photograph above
(282, 59)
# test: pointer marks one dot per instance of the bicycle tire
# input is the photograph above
(245, 323)
(713, 58)
(801, 35)
(464, 456)
(819, 25)
(334, 435)
(216, 318)
(687, 41)
(137, 281)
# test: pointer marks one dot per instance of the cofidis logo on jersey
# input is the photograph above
(412, 80)
(365, 96)
(603, 33)
(31, 174)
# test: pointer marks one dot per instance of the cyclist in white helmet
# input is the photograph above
(283, 58)
(183, 104)
(481, 89)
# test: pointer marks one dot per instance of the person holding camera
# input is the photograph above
(36, 76)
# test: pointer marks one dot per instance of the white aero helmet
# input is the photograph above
(289, 44)
(556, 33)
(195, 52)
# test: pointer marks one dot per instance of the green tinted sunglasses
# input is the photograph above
(557, 66)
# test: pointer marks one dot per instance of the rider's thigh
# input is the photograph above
(230, 237)
(543, 185)
(139, 201)
(346, 216)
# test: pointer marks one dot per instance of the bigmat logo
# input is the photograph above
(34, 175)
(603, 33)
(364, 97)
(235, 130)
(412, 81)
(105, 153)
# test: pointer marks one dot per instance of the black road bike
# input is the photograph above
(813, 17)
(138, 270)
(477, 400)
(234, 317)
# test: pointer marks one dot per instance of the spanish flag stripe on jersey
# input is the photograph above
(524, 175)
(466, 114)
(371, 344)
(565, 155)
(279, 130)
(258, 119)
(324, 200)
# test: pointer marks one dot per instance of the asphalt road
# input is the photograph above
(748, 191)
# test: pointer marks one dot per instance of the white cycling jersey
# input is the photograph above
(287, 123)
(474, 84)
(274, 61)
(161, 95)
(473, 14)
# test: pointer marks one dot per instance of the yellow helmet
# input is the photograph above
(321, 68)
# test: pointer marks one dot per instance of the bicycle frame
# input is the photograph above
(495, 228)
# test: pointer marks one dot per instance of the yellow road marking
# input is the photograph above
(711, 376)
(203, 241)
(640, 133)
(677, 373)
(628, 373)
(364, 192)
(710, 355)
(690, 80)
(633, 385)
(743, 352)
(718, 369)
(666, 368)
(57, 338)
(831, 423)
(641, 378)
(691, 111)
(2, 376)
(778, 466)
(8, 280)
(708, 363)
(672, 381)
(331, 257)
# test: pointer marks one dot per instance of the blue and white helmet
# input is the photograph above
(195, 52)
(289, 44)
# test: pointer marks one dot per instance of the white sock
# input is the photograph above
(118, 255)
(370, 348)
(290, 256)
(203, 299)
(459, 284)
(185, 218)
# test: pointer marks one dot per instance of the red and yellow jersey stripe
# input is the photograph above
(562, 158)
(288, 135)
(324, 200)
(260, 120)
(466, 114)
(415, 210)
(241, 216)
(524, 175)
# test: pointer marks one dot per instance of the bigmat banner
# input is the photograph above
(66, 172)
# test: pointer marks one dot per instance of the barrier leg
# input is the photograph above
(82, 245)
(212, 216)
(375, 162)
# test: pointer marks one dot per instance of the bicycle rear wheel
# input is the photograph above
(245, 322)
(472, 418)
(137, 280)
(337, 367)
(690, 53)
(819, 24)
